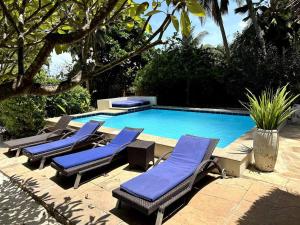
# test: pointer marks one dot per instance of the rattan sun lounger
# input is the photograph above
(45, 135)
(155, 190)
(87, 160)
(84, 137)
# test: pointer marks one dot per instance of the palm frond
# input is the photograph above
(241, 10)
(224, 6)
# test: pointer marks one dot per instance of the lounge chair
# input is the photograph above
(45, 135)
(84, 161)
(130, 103)
(84, 137)
(170, 180)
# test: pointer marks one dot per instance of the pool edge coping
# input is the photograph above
(234, 153)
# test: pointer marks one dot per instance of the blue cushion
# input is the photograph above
(130, 103)
(87, 128)
(140, 101)
(184, 160)
(79, 158)
(125, 137)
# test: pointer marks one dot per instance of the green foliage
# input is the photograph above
(183, 74)
(77, 100)
(186, 74)
(109, 45)
(249, 68)
(23, 116)
(270, 109)
(280, 24)
(31, 30)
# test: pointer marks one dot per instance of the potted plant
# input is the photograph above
(269, 111)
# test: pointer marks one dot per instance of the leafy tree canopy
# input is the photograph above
(31, 29)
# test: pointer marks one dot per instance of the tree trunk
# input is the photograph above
(256, 26)
(223, 33)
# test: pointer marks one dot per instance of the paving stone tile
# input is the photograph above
(15, 169)
(117, 180)
(230, 193)
(257, 190)
(98, 197)
(242, 183)
(206, 204)
(189, 216)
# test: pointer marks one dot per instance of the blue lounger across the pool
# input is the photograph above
(184, 160)
(130, 103)
(96, 157)
(155, 190)
(84, 135)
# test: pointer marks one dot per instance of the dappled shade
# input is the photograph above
(276, 207)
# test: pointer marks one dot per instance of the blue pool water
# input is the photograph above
(174, 123)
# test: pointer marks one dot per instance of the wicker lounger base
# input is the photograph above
(81, 169)
(14, 145)
(160, 204)
(44, 156)
(45, 135)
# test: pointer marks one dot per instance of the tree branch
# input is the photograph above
(21, 41)
(8, 15)
(86, 29)
(128, 56)
(53, 39)
(37, 10)
(40, 89)
(44, 18)
(117, 12)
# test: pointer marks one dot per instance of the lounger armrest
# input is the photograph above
(85, 137)
(162, 157)
(53, 132)
(68, 134)
(102, 142)
(203, 166)
(45, 129)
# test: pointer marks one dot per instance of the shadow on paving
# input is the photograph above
(290, 131)
(67, 183)
(16, 206)
(275, 208)
(134, 217)
(10, 154)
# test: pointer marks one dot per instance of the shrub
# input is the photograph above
(271, 109)
(23, 116)
(76, 100)
(190, 76)
(248, 68)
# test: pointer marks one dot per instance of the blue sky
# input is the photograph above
(232, 24)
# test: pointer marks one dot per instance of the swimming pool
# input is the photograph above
(174, 123)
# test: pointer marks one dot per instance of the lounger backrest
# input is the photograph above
(63, 122)
(189, 151)
(88, 128)
(126, 136)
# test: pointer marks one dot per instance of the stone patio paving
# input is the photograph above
(255, 198)
(17, 207)
(287, 170)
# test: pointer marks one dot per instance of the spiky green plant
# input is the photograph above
(270, 109)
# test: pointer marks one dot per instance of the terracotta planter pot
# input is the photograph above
(265, 148)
